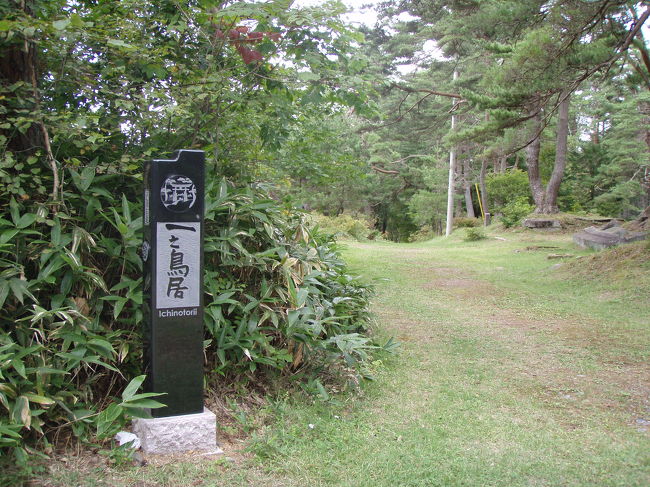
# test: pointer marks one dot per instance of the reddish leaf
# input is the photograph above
(249, 55)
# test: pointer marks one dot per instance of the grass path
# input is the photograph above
(507, 376)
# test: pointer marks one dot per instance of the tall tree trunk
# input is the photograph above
(452, 175)
(467, 184)
(532, 161)
(553, 186)
(18, 63)
(546, 197)
(644, 108)
(503, 164)
(469, 204)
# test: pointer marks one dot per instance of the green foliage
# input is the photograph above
(473, 234)
(59, 270)
(63, 351)
(609, 173)
(427, 207)
(278, 298)
(344, 225)
(515, 211)
(395, 220)
(464, 222)
(133, 405)
(506, 188)
(423, 234)
(620, 200)
(279, 295)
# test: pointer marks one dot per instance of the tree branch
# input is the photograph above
(384, 171)
(575, 83)
(635, 30)
(397, 120)
(408, 157)
(424, 90)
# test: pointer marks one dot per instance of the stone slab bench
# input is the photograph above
(599, 239)
(541, 223)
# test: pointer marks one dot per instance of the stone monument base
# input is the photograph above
(177, 434)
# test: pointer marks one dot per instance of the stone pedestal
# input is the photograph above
(177, 434)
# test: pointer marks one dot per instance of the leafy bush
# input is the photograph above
(473, 234)
(463, 222)
(507, 187)
(278, 298)
(291, 291)
(620, 201)
(428, 207)
(60, 344)
(423, 234)
(343, 226)
(515, 211)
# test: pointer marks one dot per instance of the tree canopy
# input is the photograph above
(297, 112)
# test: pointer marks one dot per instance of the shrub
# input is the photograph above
(343, 226)
(278, 298)
(463, 222)
(507, 187)
(374, 235)
(71, 310)
(289, 288)
(515, 211)
(619, 201)
(423, 234)
(472, 234)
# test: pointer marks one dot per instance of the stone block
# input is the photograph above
(599, 239)
(177, 434)
(542, 223)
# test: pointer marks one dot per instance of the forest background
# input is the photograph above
(296, 110)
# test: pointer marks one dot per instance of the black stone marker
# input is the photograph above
(172, 252)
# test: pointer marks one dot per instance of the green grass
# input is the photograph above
(510, 373)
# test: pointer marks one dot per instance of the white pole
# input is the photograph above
(452, 173)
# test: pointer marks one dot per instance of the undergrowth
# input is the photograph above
(279, 301)
(628, 258)
(344, 226)
(473, 234)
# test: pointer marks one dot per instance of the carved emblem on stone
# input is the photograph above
(178, 193)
